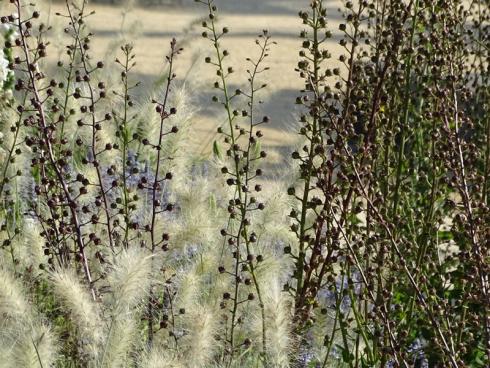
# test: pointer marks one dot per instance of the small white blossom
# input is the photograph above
(8, 32)
(3, 68)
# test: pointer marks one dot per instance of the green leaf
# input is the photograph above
(217, 150)
(256, 148)
(212, 203)
(444, 235)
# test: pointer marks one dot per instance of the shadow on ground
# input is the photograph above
(246, 7)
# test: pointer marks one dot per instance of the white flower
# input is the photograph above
(3, 68)
(8, 32)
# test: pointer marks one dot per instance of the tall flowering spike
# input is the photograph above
(164, 112)
(42, 116)
(242, 172)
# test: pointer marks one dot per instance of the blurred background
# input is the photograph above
(150, 24)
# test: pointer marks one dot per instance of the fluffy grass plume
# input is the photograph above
(115, 351)
(24, 340)
(13, 303)
(279, 325)
(160, 358)
(200, 341)
(35, 347)
(84, 313)
(130, 279)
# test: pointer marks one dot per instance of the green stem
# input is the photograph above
(403, 126)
